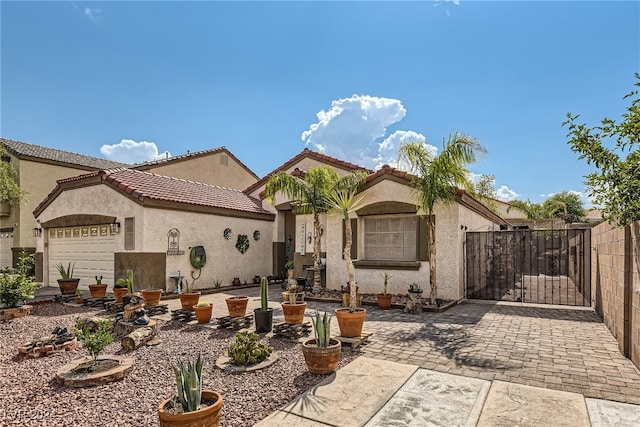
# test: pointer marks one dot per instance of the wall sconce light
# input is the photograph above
(309, 237)
(256, 235)
(289, 239)
(37, 231)
(321, 230)
(115, 227)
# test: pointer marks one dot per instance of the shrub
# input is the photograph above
(94, 341)
(18, 287)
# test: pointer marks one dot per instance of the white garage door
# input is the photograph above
(90, 247)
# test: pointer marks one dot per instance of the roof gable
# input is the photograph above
(22, 150)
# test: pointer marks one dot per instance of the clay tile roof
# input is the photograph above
(149, 186)
(307, 153)
(388, 170)
(22, 149)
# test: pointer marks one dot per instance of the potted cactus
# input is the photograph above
(384, 299)
(293, 310)
(191, 406)
(151, 295)
(321, 353)
(188, 298)
(203, 311)
(263, 315)
(123, 286)
(98, 290)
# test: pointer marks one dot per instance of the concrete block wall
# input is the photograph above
(615, 283)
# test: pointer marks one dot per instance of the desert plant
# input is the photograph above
(65, 273)
(187, 287)
(20, 286)
(188, 384)
(126, 282)
(203, 304)
(246, 350)
(293, 292)
(289, 265)
(415, 288)
(78, 292)
(94, 340)
(217, 284)
(98, 280)
(264, 294)
(322, 328)
(385, 276)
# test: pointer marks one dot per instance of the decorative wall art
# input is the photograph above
(243, 243)
(227, 233)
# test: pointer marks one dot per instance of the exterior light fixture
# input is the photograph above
(37, 231)
(309, 237)
(115, 227)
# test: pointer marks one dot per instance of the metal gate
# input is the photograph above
(533, 266)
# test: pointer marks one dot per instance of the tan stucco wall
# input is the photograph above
(224, 261)
(37, 179)
(208, 169)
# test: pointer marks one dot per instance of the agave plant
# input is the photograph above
(322, 328)
(189, 384)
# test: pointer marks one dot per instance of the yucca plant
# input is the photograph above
(322, 328)
(65, 273)
(189, 384)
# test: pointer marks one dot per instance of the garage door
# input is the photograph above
(90, 247)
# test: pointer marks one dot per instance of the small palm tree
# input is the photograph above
(342, 200)
(309, 195)
(437, 177)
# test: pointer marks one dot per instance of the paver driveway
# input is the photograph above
(559, 348)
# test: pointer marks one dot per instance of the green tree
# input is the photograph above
(565, 205)
(10, 190)
(615, 185)
(309, 196)
(533, 211)
(437, 177)
(485, 190)
(342, 200)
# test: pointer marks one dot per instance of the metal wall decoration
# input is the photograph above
(227, 233)
(256, 235)
(173, 242)
(243, 243)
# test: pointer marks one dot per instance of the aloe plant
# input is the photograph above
(322, 328)
(189, 384)
(65, 273)
(264, 294)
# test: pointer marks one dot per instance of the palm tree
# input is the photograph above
(309, 196)
(342, 200)
(533, 211)
(436, 180)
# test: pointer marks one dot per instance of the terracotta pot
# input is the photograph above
(78, 300)
(98, 291)
(384, 301)
(152, 296)
(294, 313)
(321, 360)
(256, 279)
(118, 293)
(205, 417)
(68, 286)
(237, 306)
(189, 299)
(350, 323)
(236, 281)
(263, 319)
(203, 314)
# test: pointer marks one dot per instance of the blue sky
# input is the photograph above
(132, 80)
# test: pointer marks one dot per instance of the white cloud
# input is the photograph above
(129, 151)
(354, 129)
(92, 13)
(388, 148)
(506, 194)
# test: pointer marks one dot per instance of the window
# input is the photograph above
(129, 233)
(390, 237)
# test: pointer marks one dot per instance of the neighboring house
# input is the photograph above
(113, 220)
(217, 166)
(38, 169)
(389, 232)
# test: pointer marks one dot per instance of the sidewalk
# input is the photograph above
(372, 392)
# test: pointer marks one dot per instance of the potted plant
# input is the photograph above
(203, 311)
(123, 286)
(264, 315)
(191, 406)
(256, 279)
(15, 289)
(188, 298)
(68, 284)
(322, 353)
(237, 306)
(98, 290)
(293, 288)
(384, 299)
(236, 281)
(151, 295)
(293, 310)
(78, 298)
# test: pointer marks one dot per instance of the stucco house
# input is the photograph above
(113, 220)
(38, 169)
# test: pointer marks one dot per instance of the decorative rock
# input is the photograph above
(137, 338)
(292, 331)
(11, 313)
(78, 372)
(234, 323)
(225, 364)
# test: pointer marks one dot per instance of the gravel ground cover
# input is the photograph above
(30, 396)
